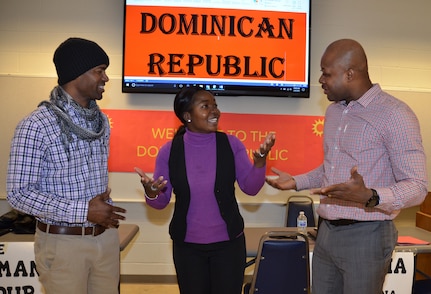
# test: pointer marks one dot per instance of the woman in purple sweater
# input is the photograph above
(201, 165)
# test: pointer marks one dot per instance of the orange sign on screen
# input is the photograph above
(215, 43)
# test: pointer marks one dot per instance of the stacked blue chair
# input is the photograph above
(282, 265)
(295, 204)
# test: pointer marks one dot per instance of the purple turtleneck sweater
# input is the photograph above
(204, 223)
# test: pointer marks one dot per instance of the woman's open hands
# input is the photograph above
(260, 154)
(152, 187)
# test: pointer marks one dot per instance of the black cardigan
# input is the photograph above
(224, 189)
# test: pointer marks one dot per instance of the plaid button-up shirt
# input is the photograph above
(381, 136)
(45, 181)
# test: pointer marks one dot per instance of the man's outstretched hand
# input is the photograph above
(284, 181)
(353, 190)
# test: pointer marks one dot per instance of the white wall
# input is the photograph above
(394, 33)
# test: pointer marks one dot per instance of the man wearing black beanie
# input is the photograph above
(58, 172)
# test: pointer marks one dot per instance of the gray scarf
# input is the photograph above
(58, 100)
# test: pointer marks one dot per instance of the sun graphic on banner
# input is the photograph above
(111, 123)
(318, 127)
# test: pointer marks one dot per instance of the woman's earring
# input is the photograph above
(189, 120)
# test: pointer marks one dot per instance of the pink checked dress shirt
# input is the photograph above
(381, 136)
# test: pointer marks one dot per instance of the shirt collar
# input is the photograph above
(366, 98)
(370, 95)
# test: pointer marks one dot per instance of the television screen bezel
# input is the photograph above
(166, 86)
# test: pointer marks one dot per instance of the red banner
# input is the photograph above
(137, 135)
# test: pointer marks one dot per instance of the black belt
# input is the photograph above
(62, 230)
(342, 222)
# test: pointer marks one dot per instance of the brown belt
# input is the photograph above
(52, 229)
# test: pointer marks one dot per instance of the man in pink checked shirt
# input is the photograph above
(374, 166)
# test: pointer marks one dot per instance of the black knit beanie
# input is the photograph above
(75, 56)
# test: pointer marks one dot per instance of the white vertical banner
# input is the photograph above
(399, 279)
(17, 269)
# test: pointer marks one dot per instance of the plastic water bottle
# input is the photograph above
(301, 223)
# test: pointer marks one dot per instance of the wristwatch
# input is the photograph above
(374, 200)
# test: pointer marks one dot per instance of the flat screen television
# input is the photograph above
(231, 47)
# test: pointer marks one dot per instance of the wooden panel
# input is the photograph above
(426, 205)
(423, 263)
(423, 220)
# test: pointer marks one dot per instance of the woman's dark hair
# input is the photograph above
(183, 103)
